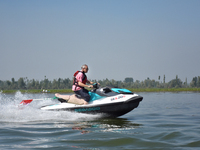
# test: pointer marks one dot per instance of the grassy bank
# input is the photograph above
(133, 90)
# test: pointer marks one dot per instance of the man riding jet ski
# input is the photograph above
(80, 82)
(108, 101)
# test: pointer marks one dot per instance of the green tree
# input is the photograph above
(13, 84)
(1, 85)
(8, 84)
(194, 82)
(185, 83)
(128, 80)
(175, 83)
(136, 84)
(67, 83)
(33, 84)
(21, 83)
(164, 79)
(198, 81)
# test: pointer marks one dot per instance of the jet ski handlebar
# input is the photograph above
(95, 85)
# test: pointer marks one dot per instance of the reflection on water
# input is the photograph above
(106, 125)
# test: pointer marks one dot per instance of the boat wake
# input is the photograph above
(10, 111)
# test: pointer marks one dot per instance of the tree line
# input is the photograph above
(25, 83)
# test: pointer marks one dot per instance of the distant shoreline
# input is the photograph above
(133, 90)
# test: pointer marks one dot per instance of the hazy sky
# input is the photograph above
(116, 38)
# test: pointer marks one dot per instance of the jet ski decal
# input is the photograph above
(121, 91)
(119, 97)
(87, 109)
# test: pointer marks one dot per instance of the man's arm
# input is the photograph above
(90, 82)
(84, 85)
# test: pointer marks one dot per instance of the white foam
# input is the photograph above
(11, 112)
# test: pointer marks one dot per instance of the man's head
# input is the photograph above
(84, 68)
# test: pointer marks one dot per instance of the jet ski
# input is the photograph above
(107, 101)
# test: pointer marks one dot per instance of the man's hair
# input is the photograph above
(83, 66)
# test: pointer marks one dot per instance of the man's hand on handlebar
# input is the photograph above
(90, 86)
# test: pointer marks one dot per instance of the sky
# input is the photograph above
(115, 38)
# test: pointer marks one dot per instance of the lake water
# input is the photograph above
(162, 121)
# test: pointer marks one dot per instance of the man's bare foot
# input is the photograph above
(57, 95)
(85, 103)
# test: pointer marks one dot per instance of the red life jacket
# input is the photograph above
(75, 81)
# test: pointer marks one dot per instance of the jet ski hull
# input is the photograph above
(110, 109)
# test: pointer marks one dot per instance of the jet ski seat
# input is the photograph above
(106, 91)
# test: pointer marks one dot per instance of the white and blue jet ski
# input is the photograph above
(110, 102)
